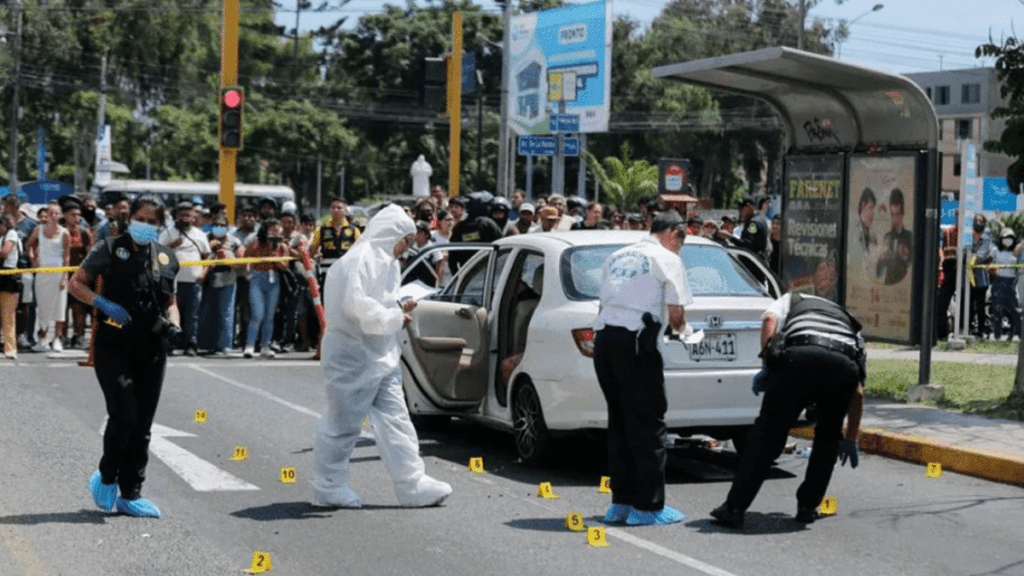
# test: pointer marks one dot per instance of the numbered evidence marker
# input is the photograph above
(288, 475)
(606, 485)
(934, 469)
(200, 416)
(476, 465)
(574, 522)
(828, 506)
(260, 563)
(240, 453)
(596, 537)
(545, 491)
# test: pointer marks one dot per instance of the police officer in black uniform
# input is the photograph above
(476, 227)
(816, 357)
(897, 244)
(755, 229)
(129, 349)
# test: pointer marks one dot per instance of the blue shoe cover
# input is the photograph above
(667, 515)
(617, 513)
(103, 495)
(140, 508)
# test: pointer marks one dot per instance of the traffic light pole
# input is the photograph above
(455, 104)
(229, 77)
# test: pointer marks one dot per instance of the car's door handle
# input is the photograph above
(464, 313)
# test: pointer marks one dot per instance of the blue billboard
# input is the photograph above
(560, 58)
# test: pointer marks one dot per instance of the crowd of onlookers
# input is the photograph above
(267, 307)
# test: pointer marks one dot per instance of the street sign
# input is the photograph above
(468, 73)
(564, 123)
(571, 147)
(536, 146)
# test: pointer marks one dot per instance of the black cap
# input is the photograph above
(457, 200)
(744, 201)
(667, 220)
(422, 225)
(728, 218)
(69, 202)
(634, 217)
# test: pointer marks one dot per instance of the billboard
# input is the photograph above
(560, 56)
(812, 228)
(880, 245)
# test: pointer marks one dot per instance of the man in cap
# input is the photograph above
(189, 245)
(755, 228)
(643, 287)
(117, 218)
(525, 222)
(549, 218)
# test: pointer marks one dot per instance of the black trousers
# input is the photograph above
(633, 383)
(809, 375)
(131, 374)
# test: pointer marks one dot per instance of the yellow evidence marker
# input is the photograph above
(288, 475)
(934, 469)
(200, 416)
(476, 464)
(545, 491)
(596, 537)
(240, 453)
(574, 522)
(260, 563)
(828, 506)
(606, 485)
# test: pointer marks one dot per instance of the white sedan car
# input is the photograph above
(508, 340)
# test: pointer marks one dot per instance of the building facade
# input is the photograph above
(964, 100)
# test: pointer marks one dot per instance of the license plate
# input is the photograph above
(721, 346)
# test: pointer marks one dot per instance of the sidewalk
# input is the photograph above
(969, 444)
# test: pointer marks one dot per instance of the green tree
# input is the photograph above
(624, 181)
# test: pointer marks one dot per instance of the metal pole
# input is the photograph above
(558, 160)
(931, 269)
(479, 137)
(229, 77)
(581, 182)
(319, 178)
(13, 176)
(503, 136)
(455, 104)
(529, 177)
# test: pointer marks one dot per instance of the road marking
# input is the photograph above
(201, 475)
(363, 433)
(666, 553)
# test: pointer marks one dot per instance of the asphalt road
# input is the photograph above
(891, 519)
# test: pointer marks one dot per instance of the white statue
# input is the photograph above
(421, 172)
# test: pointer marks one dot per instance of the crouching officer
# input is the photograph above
(643, 287)
(813, 354)
(129, 350)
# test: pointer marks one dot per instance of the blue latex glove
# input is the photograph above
(115, 311)
(848, 449)
(760, 383)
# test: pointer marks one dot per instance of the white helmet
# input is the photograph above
(289, 208)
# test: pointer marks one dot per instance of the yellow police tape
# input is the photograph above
(224, 262)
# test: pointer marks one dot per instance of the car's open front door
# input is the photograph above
(448, 335)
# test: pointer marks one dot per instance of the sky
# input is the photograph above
(904, 36)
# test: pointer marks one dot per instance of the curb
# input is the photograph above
(982, 463)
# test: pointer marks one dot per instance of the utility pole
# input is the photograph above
(101, 110)
(800, 30)
(455, 104)
(503, 135)
(13, 177)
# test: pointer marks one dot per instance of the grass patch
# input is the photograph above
(973, 347)
(972, 388)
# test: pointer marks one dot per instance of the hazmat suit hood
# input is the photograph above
(361, 300)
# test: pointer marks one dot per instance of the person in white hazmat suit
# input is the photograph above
(360, 358)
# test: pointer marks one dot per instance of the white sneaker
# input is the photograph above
(249, 351)
(423, 493)
(267, 353)
(40, 347)
(57, 346)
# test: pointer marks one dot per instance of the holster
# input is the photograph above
(772, 352)
(647, 339)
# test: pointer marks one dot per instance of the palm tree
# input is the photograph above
(624, 181)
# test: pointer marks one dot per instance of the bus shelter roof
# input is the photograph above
(826, 104)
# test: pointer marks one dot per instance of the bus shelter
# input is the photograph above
(860, 203)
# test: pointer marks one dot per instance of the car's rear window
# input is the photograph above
(710, 271)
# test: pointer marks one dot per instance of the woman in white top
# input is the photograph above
(10, 248)
(49, 246)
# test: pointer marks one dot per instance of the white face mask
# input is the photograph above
(1007, 242)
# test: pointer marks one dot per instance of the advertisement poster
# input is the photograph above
(811, 233)
(880, 245)
(561, 56)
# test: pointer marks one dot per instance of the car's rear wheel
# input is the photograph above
(532, 438)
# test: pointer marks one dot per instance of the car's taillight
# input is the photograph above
(584, 338)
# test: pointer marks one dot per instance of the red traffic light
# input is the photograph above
(232, 98)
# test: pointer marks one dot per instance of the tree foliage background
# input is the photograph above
(348, 95)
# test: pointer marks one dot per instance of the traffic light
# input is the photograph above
(232, 99)
(433, 93)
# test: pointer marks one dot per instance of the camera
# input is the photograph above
(171, 332)
(181, 224)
